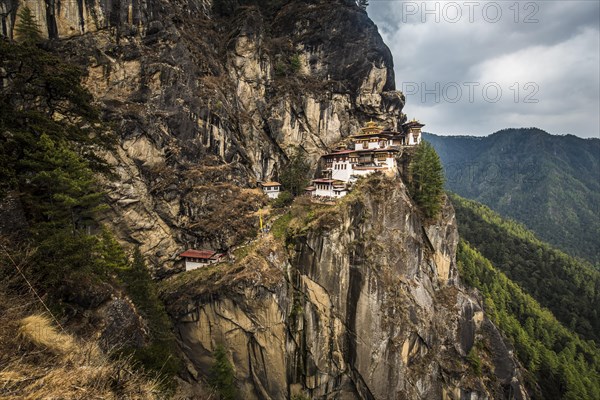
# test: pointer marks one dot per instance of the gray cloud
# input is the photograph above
(535, 64)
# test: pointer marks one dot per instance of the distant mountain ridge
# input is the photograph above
(550, 183)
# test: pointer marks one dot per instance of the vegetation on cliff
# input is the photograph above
(49, 149)
(562, 365)
(28, 30)
(51, 141)
(222, 376)
(568, 287)
(160, 354)
(295, 175)
(427, 179)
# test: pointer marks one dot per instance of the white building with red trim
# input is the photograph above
(371, 150)
(195, 259)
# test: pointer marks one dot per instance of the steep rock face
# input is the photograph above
(383, 315)
(370, 309)
(201, 92)
(241, 305)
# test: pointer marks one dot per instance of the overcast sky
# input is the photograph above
(475, 67)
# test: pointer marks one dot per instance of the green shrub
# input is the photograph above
(290, 66)
(280, 68)
(222, 375)
(285, 198)
(295, 64)
(474, 361)
(280, 226)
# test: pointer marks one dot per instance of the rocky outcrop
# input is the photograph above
(192, 85)
(371, 308)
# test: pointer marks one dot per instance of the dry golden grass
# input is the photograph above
(38, 361)
(37, 330)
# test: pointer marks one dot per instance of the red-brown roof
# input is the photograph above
(204, 254)
(323, 180)
(369, 167)
(339, 153)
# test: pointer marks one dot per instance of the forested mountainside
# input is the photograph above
(560, 364)
(549, 183)
(544, 301)
(568, 287)
(140, 130)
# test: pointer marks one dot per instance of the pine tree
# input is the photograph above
(28, 31)
(58, 187)
(427, 180)
(294, 176)
(221, 374)
(49, 147)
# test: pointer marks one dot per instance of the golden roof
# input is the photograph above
(371, 126)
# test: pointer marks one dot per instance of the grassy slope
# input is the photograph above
(40, 361)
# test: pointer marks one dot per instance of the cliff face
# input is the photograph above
(362, 299)
(362, 303)
(209, 98)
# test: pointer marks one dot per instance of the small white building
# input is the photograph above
(340, 189)
(412, 130)
(339, 165)
(328, 188)
(271, 189)
(195, 259)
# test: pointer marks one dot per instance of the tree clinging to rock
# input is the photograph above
(427, 179)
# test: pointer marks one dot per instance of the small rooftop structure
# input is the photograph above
(371, 127)
(195, 259)
(412, 130)
(414, 123)
(271, 189)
